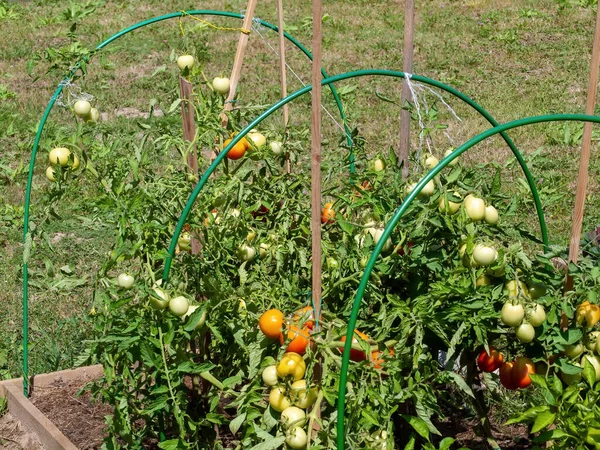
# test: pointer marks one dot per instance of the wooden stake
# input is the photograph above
(189, 134)
(239, 59)
(584, 160)
(282, 68)
(407, 67)
(315, 166)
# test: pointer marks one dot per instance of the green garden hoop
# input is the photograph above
(36, 142)
(396, 218)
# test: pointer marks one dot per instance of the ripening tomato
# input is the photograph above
(327, 213)
(490, 362)
(306, 316)
(356, 355)
(278, 399)
(299, 340)
(271, 323)
(269, 375)
(506, 376)
(521, 370)
(237, 151)
(377, 359)
(291, 364)
(302, 396)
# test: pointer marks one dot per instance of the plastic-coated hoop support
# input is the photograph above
(49, 107)
(396, 218)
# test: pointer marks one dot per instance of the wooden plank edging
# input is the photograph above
(21, 408)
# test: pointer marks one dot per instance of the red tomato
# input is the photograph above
(307, 314)
(506, 376)
(356, 355)
(522, 369)
(237, 151)
(491, 362)
(401, 251)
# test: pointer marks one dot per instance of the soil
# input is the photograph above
(14, 437)
(78, 417)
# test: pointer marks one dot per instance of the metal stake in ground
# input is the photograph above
(407, 67)
(584, 161)
(239, 59)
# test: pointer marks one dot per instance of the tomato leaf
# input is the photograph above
(173, 444)
(236, 423)
(418, 424)
(446, 443)
(551, 435)
(461, 383)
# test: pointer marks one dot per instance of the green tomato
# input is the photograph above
(491, 215)
(296, 438)
(537, 315)
(159, 299)
(484, 255)
(302, 397)
(512, 315)
(51, 174)
(269, 376)
(430, 161)
(126, 281)
(525, 333)
(246, 252)
(332, 263)
(448, 153)
(571, 378)
(190, 311)
(475, 208)
(221, 85)
(179, 306)
(185, 242)
(573, 351)
(185, 62)
(293, 416)
(82, 108)
(537, 290)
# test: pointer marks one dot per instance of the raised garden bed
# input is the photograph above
(54, 415)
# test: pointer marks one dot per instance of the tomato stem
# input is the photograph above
(177, 411)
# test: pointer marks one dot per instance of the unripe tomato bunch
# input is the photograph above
(521, 311)
(179, 305)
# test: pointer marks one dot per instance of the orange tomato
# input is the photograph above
(299, 340)
(377, 359)
(307, 314)
(244, 141)
(521, 370)
(327, 213)
(237, 152)
(271, 323)
(356, 355)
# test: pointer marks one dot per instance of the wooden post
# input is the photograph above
(239, 59)
(315, 165)
(407, 67)
(189, 134)
(584, 160)
(282, 68)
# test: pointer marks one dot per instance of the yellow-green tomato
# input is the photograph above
(263, 250)
(160, 300)
(125, 280)
(190, 311)
(185, 62)
(378, 165)
(483, 280)
(93, 116)
(512, 315)
(515, 289)
(537, 315)
(257, 138)
(269, 375)
(484, 255)
(376, 234)
(525, 333)
(185, 242)
(276, 148)
(491, 215)
(430, 161)
(293, 416)
(59, 156)
(278, 400)
(452, 208)
(428, 189)
(573, 351)
(448, 153)
(221, 85)
(594, 361)
(291, 364)
(302, 397)
(179, 305)
(592, 340)
(51, 174)
(296, 438)
(82, 108)
(246, 252)
(475, 208)
(75, 164)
